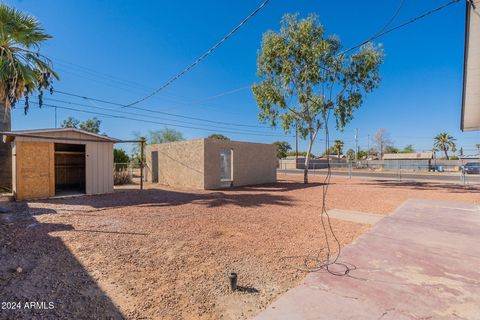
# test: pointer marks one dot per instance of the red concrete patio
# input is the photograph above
(421, 262)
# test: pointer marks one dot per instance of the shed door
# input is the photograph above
(35, 172)
(155, 166)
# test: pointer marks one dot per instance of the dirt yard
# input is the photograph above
(165, 253)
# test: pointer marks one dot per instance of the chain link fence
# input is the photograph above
(466, 174)
(126, 173)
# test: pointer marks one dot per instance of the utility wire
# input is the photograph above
(159, 112)
(382, 33)
(376, 36)
(203, 56)
(160, 123)
(116, 82)
(226, 93)
(141, 115)
(389, 22)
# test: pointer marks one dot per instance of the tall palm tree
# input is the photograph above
(23, 71)
(338, 146)
(444, 142)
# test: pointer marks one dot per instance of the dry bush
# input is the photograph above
(121, 177)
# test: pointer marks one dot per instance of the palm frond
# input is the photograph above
(23, 69)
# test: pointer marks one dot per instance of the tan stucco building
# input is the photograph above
(56, 162)
(211, 163)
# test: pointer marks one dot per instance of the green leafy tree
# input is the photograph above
(282, 148)
(24, 71)
(164, 136)
(91, 125)
(444, 142)
(120, 156)
(121, 159)
(362, 154)
(305, 78)
(338, 147)
(154, 137)
(350, 154)
(408, 149)
(478, 147)
(70, 122)
(390, 149)
(218, 136)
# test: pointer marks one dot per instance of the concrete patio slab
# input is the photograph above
(355, 216)
(421, 262)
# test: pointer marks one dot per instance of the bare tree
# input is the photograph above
(381, 139)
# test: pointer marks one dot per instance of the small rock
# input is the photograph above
(19, 270)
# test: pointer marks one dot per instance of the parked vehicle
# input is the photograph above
(436, 168)
(471, 168)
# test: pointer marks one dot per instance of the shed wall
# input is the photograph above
(253, 163)
(98, 162)
(179, 163)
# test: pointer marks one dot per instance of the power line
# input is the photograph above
(381, 34)
(222, 94)
(136, 114)
(160, 123)
(378, 35)
(159, 112)
(395, 14)
(116, 82)
(203, 56)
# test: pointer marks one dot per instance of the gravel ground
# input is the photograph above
(165, 253)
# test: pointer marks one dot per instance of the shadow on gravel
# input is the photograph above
(281, 186)
(418, 185)
(36, 266)
(247, 289)
(251, 197)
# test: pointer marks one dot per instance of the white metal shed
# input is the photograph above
(56, 162)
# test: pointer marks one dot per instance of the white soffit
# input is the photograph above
(471, 73)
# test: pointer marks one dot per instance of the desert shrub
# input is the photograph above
(121, 177)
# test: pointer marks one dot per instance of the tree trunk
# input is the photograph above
(307, 160)
(446, 153)
(5, 150)
(305, 170)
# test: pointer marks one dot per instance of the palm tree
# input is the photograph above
(23, 70)
(338, 146)
(444, 142)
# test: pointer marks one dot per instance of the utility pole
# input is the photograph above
(296, 145)
(55, 117)
(368, 144)
(142, 163)
(356, 145)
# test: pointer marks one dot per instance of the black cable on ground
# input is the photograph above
(319, 261)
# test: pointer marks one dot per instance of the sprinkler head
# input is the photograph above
(233, 281)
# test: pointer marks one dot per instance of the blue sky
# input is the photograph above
(121, 50)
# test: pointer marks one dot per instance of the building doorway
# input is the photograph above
(226, 172)
(154, 166)
(69, 169)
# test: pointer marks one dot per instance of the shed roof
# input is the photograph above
(43, 134)
(408, 156)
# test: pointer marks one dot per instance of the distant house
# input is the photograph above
(469, 157)
(407, 161)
